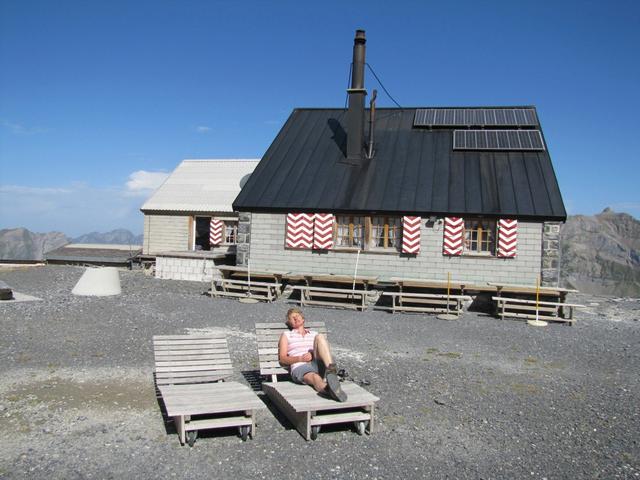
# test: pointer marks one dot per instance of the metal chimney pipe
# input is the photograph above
(355, 114)
(372, 123)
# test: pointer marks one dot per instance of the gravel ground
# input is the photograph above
(472, 398)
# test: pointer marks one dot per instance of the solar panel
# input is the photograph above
(498, 140)
(468, 117)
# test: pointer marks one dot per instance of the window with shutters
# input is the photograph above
(368, 233)
(201, 232)
(479, 237)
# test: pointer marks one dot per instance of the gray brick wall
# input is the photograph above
(268, 252)
(192, 269)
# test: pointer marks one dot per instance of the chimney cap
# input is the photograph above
(360, 37)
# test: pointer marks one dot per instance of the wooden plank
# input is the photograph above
(533, 302)
(188, 356)
(341, 417)
(213, 336)
(329, 289)
(538, 317)
(213, 423)
(352, 306)
(192, 342)
(425, 295)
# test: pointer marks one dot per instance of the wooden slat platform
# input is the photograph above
(301, 404)
(187, 370)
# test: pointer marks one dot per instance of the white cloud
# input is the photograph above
(19, 129)
(78, 208)
(142, 182)
(203, 129)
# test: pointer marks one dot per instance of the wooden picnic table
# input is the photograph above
(407, 299)
(364, 280)
(343, 291)
(241, 282)
(233, 271)
(510, 304)
(531, 290)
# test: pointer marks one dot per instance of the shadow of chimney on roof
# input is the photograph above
(339, 135)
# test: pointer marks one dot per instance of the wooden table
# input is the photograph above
(240, 282)
(553, 305)
(334, 290)
(424, 299)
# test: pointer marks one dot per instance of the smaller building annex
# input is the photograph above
(190, 215)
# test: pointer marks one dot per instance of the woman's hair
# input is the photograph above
(290, 312)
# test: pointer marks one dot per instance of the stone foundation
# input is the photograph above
(244, 239)
(550, 267)
(192, 269)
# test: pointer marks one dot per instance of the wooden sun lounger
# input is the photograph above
(301, 404)
(190, 373)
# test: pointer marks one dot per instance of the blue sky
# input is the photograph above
(99, 100)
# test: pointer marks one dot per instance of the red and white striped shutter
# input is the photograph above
(323, 231)
(411, 234)
(507, 237)
(215, 231)
(299, 230)
(452, 242)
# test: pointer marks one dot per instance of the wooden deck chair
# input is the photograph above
(189, 372)
(301, 404)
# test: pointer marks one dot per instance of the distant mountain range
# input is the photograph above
(21, 244)
(118, 236)
(600, 253)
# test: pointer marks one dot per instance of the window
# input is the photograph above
(230, 232)
(201, 233)
(479, 237)
(349, 231)
(368, 233)
(386, 232)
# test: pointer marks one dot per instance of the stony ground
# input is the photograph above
(472, 398)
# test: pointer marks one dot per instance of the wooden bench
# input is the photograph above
(227, 287)
(189, 373)
(301, 404)
(523, 308)
(426, 302)
(332, 297)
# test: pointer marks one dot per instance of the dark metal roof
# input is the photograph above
(413, 171)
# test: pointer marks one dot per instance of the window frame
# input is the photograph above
(480, 224)
(390, 223)
(224, 221)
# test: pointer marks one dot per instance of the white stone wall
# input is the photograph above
(268, 253)
(192, 269)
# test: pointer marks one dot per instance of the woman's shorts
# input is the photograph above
(298, 373)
